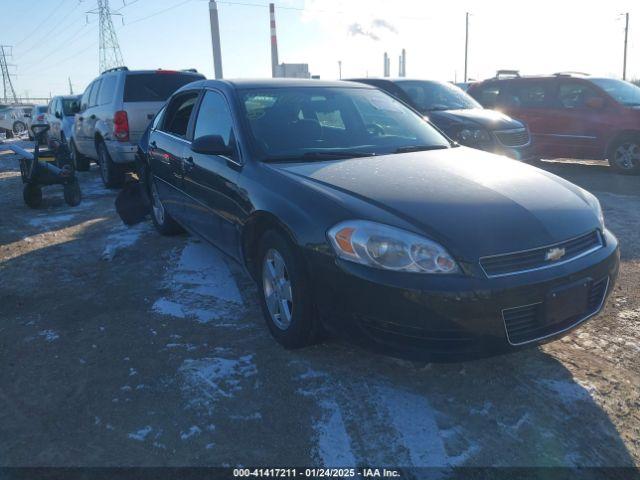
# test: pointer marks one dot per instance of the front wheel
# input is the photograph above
(72, 193)
(32, 195)
(285, 294)
(624, 155)
(79, 161)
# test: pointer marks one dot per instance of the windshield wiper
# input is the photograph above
(420, 148)
(320, 155)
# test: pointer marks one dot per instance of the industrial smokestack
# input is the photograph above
(400, 66)
(387, 65)
(404, 63)
(215, 38)
(274, 41)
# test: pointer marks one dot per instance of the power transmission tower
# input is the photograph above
(109, 49)
(9, 94)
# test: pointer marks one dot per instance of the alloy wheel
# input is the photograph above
(276, 285)
(627, 155)
(156, 204)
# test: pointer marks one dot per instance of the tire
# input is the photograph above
(32, 195)
(19, 128)
(112, 175)
(79, 161)
(164, 223)
(72, 193)
(624, 155)
(288, 309)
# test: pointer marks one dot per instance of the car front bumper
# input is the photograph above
(453, 315)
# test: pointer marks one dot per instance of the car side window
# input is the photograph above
(214, 118)
(178, 112)
(158, 119)
(531, 94)
(107, 89)
(93, 97)
(575, 95)
(50, 107)
(488, 94)
(84, 101)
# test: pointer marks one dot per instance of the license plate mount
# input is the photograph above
(568, 301)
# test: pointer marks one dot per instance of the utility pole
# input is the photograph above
(215, 39)
(70, 87)
(626, 37)
(466, 46)
(9, 93)
(109, 52)
(340, 69)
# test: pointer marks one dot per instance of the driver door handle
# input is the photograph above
(188, 163)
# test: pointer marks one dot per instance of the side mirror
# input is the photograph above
(58, 115)
(595, 102)
(211, 145)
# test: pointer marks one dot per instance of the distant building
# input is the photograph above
(292, 70)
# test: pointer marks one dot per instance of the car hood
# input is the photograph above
(488, 119)
(473, 202)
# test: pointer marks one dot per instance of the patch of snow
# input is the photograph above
(122, 237)
(201, 287)
(568, 392)
(207, 380)
(141, 434)
(194, 430)
(49, 335)
(46, 221)
(334, 444)
(414, 420)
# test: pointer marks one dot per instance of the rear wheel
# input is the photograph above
(32, 195)
(284, 293)
(624, 155)
(163, 222)
(111, 173)
(19, 128)
(79, 161)
(72, 193)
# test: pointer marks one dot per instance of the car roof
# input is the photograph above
(280, 83)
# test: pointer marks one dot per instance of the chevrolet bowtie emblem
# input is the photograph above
(554, 254)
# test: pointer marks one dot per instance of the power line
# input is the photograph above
(46, 19)
(159, 12)
(109, 52)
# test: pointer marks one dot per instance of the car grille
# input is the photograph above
(513, 138)
(519, 262)
(527, 323)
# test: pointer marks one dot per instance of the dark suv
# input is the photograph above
(459, 116)
(572, 115)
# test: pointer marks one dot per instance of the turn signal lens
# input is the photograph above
(343, 239)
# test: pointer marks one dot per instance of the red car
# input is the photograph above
(571, 115)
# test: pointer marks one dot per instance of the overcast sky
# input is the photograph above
(56, 39)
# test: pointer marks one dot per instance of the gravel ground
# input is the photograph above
(121, 347)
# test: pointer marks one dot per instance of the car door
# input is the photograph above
(211, 182)
(531, 101)
(55, 119)
(90, 120)
(579, 114)
(167, 144)
(79, 133)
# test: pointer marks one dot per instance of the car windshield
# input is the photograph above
(155, 87)
(41, 109)
(70, 106)
(336, 122)
(430, 96)
(624, 92)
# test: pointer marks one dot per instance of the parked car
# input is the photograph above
(459, 116)
(13, 121)
(38, 117)
(572, 115)
(353, 213)
(61, 115)
(115, 110)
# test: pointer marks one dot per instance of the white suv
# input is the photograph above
(115, 110)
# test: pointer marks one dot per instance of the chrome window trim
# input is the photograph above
(575, 324)
(543, 267)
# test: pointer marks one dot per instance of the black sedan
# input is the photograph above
(353, 214)
(460, 117)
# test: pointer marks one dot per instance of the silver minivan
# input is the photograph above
(115, 110)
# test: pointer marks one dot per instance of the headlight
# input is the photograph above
(388, 248)
(474, 136)
(595, 204)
